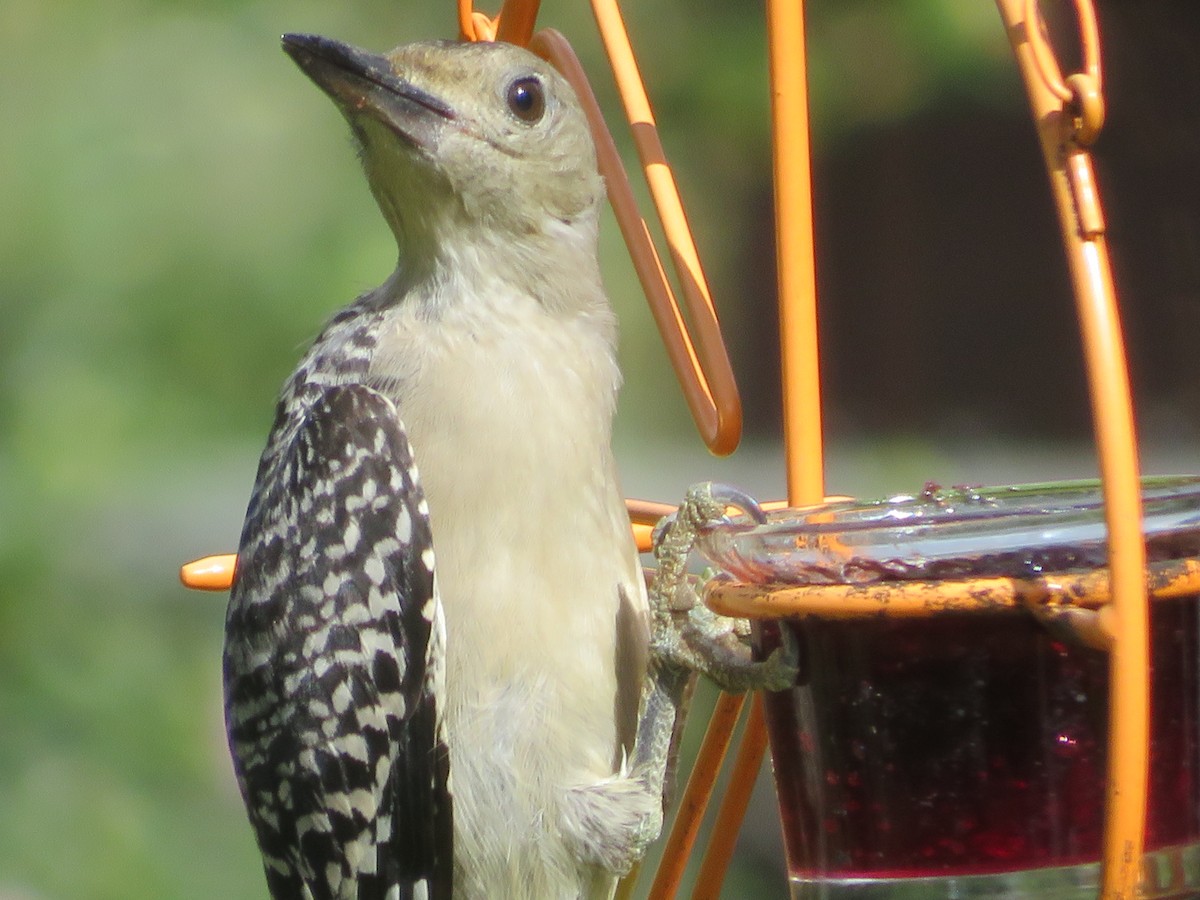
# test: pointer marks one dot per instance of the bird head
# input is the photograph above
(457, 135)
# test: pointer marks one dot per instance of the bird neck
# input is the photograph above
(445, 259)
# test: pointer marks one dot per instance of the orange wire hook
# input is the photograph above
(699, 357)
(1063, 132)
(513, 24)
(698, 353)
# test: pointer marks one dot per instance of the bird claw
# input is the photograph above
(687, 634)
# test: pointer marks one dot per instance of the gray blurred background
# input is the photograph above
(180, 209)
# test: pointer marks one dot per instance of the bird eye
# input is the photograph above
(526, 99)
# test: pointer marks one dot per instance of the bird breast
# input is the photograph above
(510, 420)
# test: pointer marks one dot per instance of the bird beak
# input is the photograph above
(365, 83)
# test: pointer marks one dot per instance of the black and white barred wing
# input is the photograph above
(333, 662)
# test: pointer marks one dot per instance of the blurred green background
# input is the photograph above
(180, 210)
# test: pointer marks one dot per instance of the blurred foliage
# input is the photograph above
(180, 212)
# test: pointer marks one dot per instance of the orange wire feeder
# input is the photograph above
(1106, 609)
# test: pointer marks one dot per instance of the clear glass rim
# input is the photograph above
(1015, 531)
(935, 505)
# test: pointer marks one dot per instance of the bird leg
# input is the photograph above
(626, 812)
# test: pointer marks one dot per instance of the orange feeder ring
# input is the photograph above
(1068, 114)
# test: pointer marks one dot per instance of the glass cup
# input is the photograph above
(962, 754)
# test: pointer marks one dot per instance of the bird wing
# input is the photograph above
(333, 662)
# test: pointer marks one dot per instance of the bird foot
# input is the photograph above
(687, 634)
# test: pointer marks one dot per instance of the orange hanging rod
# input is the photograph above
(795, 253)
(796, 274)
(1066, 126)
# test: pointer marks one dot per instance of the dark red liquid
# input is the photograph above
(970, 743)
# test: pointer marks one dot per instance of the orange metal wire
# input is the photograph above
(1069, 114)
(796, 274)
(697, 353)
(699, 358)
(209, 573)
(514, 23)
(702, 364)
(694, 802)
(796, 266)
(734, 804)
(215, 573)
(1065, 126)
(1091, 590)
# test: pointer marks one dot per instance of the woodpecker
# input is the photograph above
(441, 680)
(356, 680)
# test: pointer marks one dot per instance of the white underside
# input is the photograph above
(533, 552)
